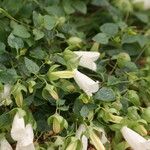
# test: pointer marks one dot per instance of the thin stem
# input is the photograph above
(12, 18)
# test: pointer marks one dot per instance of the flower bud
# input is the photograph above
(122, 59)
(141, 130)
(74, 41)
(58, 123)
(73, 144)
(31, 84)
(60, 74)
(61, 21)
(146, 114)
(96, 140)
(133, 97)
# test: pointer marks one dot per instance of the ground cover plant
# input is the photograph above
(74, 74)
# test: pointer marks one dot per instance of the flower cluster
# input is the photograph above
(20, 133)
(87, 60)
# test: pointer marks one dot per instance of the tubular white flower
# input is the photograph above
(136, 141)
(28, 136)
(4, 145)
(88, 85)
(146, 3)
(28, 147)
(87, 59)
(18, 127)
(83, 138)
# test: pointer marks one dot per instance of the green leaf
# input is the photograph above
(142, 17)
(140, 39)
(38, 53)
(112, 80)
(37, 19)
(31, 66)
(55, 10)
(11, 6)
(8, 76)
(5, 120)
(49, 22)
(84, 111)
(110, 29)
(100, 2)
(38, 34)
(105, 94)
(15, 42)
(130, 67)
(2, 48)
(67, 4)
(101, 38)
(80, 6)
(20, 30)
(121, 146)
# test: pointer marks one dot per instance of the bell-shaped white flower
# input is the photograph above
(28, 136)
(83, 138)
(87, 59)
(136, 141)
(18, 127)
(28, 147)
(4, 145)
(146, 3)
(88, 85)
(5, 95)
(22, 134)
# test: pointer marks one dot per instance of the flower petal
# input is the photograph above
(89, 55)
(146, 145)
(4, 145)
(87, 63)
(79, 135)
(28, 147)
(132, 138)
(27, 137)
(18, 127)
(88, 85)
(87, 59)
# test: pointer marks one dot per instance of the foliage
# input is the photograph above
(37, 41)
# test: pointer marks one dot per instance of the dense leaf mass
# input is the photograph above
(39, 40)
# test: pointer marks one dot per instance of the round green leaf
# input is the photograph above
(101, 38)
(105, 94)
(109, 28)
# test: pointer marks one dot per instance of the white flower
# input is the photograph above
(136, 141)
(5, 95)
(18, 126)
(87, 59)
(28, 136)
(88, 85)
(146, 3)
(22, 134)
(28, 147)
(4, 145)
(83, 138)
